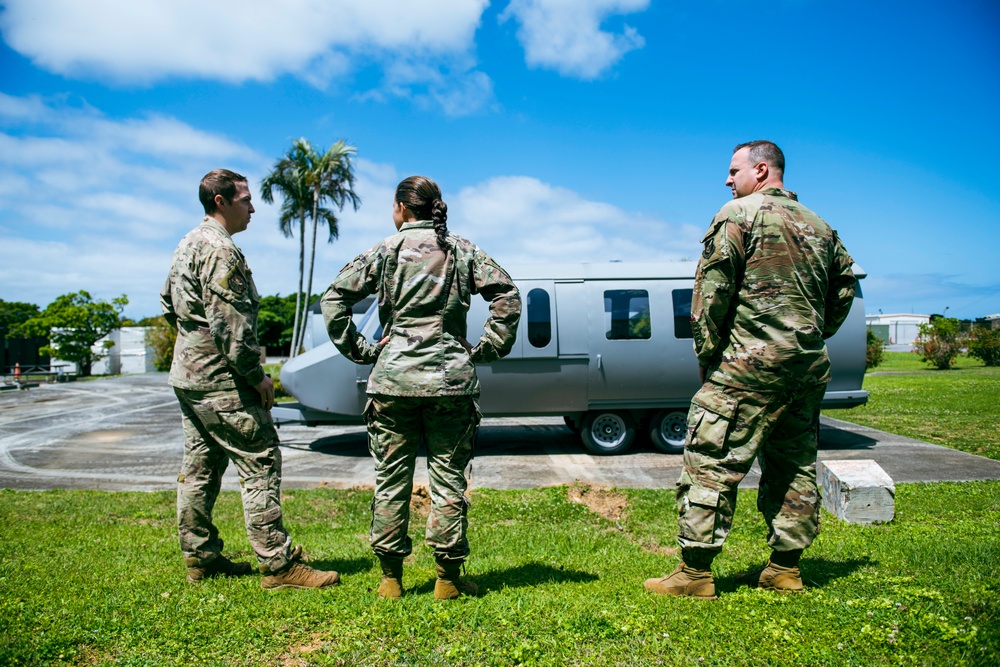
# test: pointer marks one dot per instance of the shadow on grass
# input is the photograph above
(816, 572)
(345, 567)
(530, 574)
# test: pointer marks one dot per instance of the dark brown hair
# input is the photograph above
(218, 182)
(423, 197)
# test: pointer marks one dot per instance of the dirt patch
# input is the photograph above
(293, 657)
(608, 504)
(420, 503)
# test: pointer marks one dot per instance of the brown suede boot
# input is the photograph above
(773, 577)
(297, 575)
(220, 566)
(449, 584)
(684, 581)
(391, 587)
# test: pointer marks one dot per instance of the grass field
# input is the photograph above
(93, 578)
(957, 408)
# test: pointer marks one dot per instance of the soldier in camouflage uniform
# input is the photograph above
(423, 386)
(225, 397)
(773, 282)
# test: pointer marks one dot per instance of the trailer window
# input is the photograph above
(626, 314)
(682, 313)
(539, 318)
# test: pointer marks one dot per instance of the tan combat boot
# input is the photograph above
(684, 581)
(391, 587)
(773, 577)
(220, 566)
(297, 575)
(449, 584)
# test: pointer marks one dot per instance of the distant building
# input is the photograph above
(992, 321)
(129, 355)
(897, 328)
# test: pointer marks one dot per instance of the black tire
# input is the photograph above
(668, 431)
(605, 432)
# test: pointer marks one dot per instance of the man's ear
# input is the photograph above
(220, 203)
(761, 171)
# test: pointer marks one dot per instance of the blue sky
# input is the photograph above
(559, 130)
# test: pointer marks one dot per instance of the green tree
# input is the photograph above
(984, 344)
(275, 322)
(307, 181)
(940, 341)
(13, 313)
(874, 349)
(161, 337)
(74, 323)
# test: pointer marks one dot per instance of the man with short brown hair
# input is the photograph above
(225, 396)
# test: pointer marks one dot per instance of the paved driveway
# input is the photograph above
(124, 433)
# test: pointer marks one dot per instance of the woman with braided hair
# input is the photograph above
(423, 386)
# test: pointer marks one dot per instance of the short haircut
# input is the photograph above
(218, 182)
(765, 151)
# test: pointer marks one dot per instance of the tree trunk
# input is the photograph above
(312, 263)
(298, 295)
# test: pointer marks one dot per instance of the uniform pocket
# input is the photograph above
(710, 419)
(245, 423)
(698, 514)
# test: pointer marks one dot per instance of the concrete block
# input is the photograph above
(857, 491)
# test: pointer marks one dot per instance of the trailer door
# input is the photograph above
(629, 322)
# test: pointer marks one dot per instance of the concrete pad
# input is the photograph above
(124, 433)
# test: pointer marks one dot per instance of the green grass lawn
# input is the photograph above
(957, 408)
(94, 578)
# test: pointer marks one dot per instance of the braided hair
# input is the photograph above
(422, 197)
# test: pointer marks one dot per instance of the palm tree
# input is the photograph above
(306, 180)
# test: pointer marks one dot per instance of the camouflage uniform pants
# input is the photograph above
(397, 425)
(223, 426)
(727, 429)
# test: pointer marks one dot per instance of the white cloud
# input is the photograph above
(566, 35)
(99, 204)
(320, 41)
(518, 219)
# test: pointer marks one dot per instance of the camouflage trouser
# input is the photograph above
(220, 426)
(397, 426)
(727, 429)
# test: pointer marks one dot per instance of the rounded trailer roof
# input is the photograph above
(613, 271)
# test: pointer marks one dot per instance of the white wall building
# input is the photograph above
(902, 326)
(129, 355)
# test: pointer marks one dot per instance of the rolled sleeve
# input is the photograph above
(500, 330)
(354, 282)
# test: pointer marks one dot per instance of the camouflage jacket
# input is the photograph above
(773, 282)
(211, 299)
(423, 302)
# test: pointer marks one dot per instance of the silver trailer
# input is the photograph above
(607, 347)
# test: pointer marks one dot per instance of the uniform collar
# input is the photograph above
(209, 221)
(417, 224)
(778, 192)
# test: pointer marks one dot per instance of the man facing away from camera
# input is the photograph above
(773, 282)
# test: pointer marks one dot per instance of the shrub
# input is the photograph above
(161, 337)
(984, 344)
(874, 350)
(940, 341)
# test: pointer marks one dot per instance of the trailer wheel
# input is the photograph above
(607, 432)
(668, 431)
